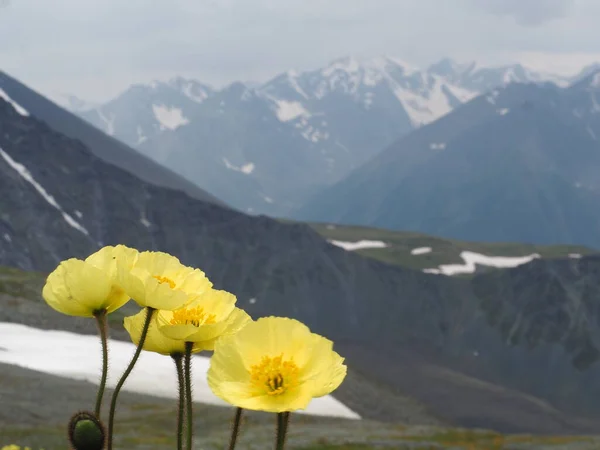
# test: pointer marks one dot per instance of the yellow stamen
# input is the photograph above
(162, 280)
(192, 316)
(274, 375)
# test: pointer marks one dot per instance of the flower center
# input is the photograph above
(274, 375)
(192, 316)
(162, 280)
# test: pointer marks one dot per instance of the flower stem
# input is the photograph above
(236, 428)
(100, 317)
(113, 402)
(282, 425)
(177, 357)
(188, 392)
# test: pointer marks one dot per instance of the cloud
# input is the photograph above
(528, 12)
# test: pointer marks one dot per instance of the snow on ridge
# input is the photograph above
(170, 118)
(595, 83)
(292, 79)
(26, 175)
(503, 111)
(437, 146)
(108, 122)
(420, 251)
(574, 255)
(20, 110)
(77, 357)
(359, 245)
(349, 65)
(471, 259)
(247, 168)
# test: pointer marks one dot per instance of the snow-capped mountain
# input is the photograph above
(145, 111)
(519, 164)
(266, 148)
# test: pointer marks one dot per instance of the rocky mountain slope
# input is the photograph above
(413, 333)
(284, 140)
(521, 164)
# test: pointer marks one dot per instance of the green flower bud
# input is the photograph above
(86, 432)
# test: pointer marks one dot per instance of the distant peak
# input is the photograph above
(348, 64)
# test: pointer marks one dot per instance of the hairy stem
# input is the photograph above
(188, 393)
(236, 428)
(282, 424)
(100, 317)
(113, 402)
(178, 358)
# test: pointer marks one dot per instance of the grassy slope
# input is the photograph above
(444, 251)
(34, 408)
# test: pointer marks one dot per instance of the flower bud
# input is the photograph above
(86, 432)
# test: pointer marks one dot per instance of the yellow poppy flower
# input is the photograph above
(155, 340)
(82, 288)
(274, 364)
(208, 317)
(158, 280)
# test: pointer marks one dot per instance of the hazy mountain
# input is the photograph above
(519, 164)
(105, 147)
(267, 148)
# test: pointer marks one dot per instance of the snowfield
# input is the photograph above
(78, 357)
(471, 259)
(359, 245)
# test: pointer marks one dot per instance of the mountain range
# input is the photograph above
(513, 350)
(266, 149)
(521, 163)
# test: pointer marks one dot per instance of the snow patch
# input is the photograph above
(574, 255)
(294, 83)
(503, 111)
(78, 214)
(77, 356)
(252, 301)
(169, 118)
(7, 237)
(109, 122)
(438, 146)
(287, 111)
(247, 168)
(141, 137)
(20, 110)
(267, 199)
(26, 175)
(198, 95)
(359, 245)
(471, 259)
(595, 81)
(420, 251)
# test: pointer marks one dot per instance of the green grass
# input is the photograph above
(444, 251)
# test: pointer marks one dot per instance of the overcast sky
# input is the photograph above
(96, 48)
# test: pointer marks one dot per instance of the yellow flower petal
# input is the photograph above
(206, 318)
(155, 340)
(81, 288)
(237, 320)
(77, 289)
(325, 369)
(160, 281)
(274, 364)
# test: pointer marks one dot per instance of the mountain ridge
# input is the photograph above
(324, 122)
